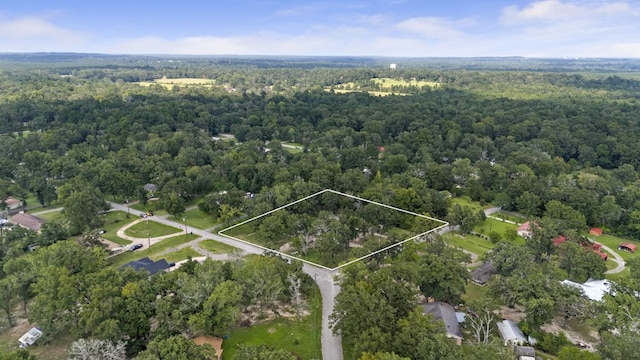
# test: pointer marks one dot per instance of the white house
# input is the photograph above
(593, 289)
(511, 333)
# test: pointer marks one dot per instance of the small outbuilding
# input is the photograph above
(595, 231)
(525, 352)
(511, 333)
(482, 273)
(30, 337)
(628, 247)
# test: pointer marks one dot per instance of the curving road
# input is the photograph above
(331, 344)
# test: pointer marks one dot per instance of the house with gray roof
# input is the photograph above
(511, 333)
(481, 274)
(445, 312)
(147, 264)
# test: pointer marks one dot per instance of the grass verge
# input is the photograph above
(152, 229)
(216, 247)
(156, 249)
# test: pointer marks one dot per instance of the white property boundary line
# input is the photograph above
(444, 224)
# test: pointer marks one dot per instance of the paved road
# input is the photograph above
(331, 345)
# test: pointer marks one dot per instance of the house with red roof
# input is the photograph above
(559, 240)
(628, 247)
(525, 230)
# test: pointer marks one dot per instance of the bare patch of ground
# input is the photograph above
(582, 335)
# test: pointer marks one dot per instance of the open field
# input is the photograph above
(163, 245)
(196, 218)
(491, 225)
(471, 243)
(216, 247)
(54, 216)
(113, 221)
(182, 254)
(510, 217)
(466, 201)
(152, 229)
(301, 337)
(474, 292)
(181, 82)
(389, 82)
(613, 242)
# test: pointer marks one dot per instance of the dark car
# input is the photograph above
(135, 247)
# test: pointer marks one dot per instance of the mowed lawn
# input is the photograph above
(466, 201)
(147, 228)
(216, 247)
(613, 242)
(113, 221)
(491, 225)
(196, 218)
(182, 254)
(301, 337)
(471, 243)
(156, 249)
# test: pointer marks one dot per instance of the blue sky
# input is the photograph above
(546, 28)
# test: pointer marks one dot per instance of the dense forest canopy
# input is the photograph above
(556, 140)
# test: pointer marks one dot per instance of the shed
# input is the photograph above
(525, 352)
(28, 221)
(147, 264)
(595, 231)
(628, 247)
(511, 333)
(30, 337)
(481, 274)
(559, 240)
(13, 203)
(445, 312)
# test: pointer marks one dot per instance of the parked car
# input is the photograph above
(143, 215)
(102, 231)
(135, 247)
(149, 213)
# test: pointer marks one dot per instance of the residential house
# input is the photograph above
(28, 221)
(445, 312)
(481, 274)
(147, 264)
(593, 289)
(525, 230)
(595, 231)
(511, 333)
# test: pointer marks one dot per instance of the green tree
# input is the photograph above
(381, 356)
(529, 204)
(8, 289)
(173, 203)
(573, 353)
(82, 208)
(178, 348)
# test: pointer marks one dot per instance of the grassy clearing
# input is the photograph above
(216, 247)
(388, 83)
(491, 225)
(113, 221)
(55, 350)
(466, 201)
(182, 254)
(152, 229)
(474, 292)
(510, 217)
(53, 216)
(471, 243)
(181, 82)
(613, 242)
(301, 337)
(151, 205)
(618, 276)
(196, 218)
(156, 249)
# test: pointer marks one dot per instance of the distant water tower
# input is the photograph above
(392, 66)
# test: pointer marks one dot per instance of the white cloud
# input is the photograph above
(434, 27)
(629, 49)
(34, 33)
(554, 10)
